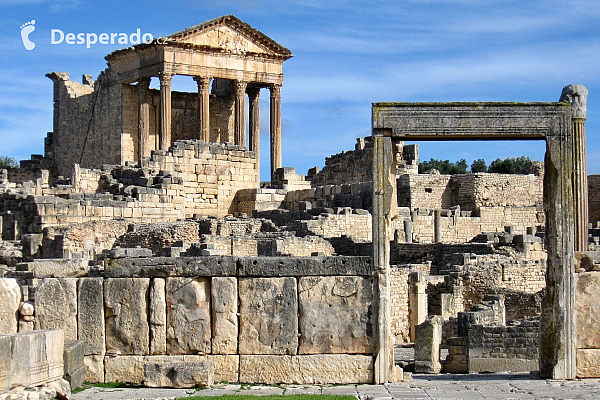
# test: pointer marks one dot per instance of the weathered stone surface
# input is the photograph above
(588, 363)
(126, 369)
(56, 306)
(94, 368)
(131, 368)
(336, 315)
(304, 369)
(268, 316)
(427, 345)
(179, 375)
(161, 267)
(5, 357)
(487, 365)
(10, 297)
(60, 267)
(73, 359)
(224, 311)
(54, 348)
(188, 316)
(588, 310)
(36, 357)
(305, 266)
(134, 252)
(27, 309)
(126, 316)
(158, 317)
(90, 318)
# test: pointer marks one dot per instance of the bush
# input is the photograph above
(445, 167)
(8, 162)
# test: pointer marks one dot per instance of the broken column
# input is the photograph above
(417, 300)
(427, 345)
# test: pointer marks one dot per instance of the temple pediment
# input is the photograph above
(230, 34)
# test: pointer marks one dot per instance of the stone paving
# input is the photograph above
(442, 387)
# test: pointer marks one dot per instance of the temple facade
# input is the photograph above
(119, 119)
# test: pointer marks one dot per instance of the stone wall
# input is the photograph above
(302, 320)
(594, 198)
(588, 324)
(400, 323)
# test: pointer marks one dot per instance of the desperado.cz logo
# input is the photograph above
(57, 36)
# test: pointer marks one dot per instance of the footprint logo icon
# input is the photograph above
(26, 29)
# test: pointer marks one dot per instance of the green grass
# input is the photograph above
(273, 397)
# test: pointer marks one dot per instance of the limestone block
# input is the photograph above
(94, 368)
(305, 266)
(90, 319)
(268, 316)
(588, 310)
(56, 306)
(428, 337)
(73, 359)
(5, 357)
(54, 342)
(158, 317)
(160, 267)
(188, 316)
(179, 375)
(60, 267)
(126, 317)
(10, 297)
(306, 369)
(126, 369)
(588, 363)
(224, 315)
(336, 315)
(26, 326)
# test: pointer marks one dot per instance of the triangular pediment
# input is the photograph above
(230, 34)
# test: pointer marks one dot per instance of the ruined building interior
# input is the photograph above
(143, 240)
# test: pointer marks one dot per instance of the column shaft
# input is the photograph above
(144, 118)
(165, 109)
(254, 123)
(275, 128)
(203, 108)
(240, 113)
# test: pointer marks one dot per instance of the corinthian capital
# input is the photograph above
(275, 89)
(203, 82)
(165, 77)
(240, 87)
(576, 95)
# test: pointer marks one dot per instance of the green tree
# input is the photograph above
(479, 166)
(445, 167)
(519, 165)
(8, 162)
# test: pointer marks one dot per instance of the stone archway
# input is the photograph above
(562, 126)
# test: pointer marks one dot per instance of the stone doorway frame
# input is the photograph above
(562, 126)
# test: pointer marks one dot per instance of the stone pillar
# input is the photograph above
(203, 107)
(437, 226)
(427, 346)
(576, 95)
(165, 109)
(275, 127)
(417, 301)
(408, 227)
(254, 145)
(240, 113)
(144, 118)
(384, 209)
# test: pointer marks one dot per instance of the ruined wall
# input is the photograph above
(195, 308)
(356, 166)
(87, 122)
(594, 198)
(400, 322)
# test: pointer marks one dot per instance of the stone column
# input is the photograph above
(254, 145)
(275, 127)
(240, 113)
(203, 107)
(165, 109)
(144, 118)
(576, 95)
(384, 209)
(437, 226)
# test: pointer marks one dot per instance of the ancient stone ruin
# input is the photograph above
(144, 242)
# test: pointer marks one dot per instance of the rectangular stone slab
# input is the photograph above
(10, 297)
(268, 316)
(90, 318)
(588, 310)
(306, 369)
(305, 266)
(56, 306)
(224, 315)
(162, 267)
(125, 302)
(188, 316)
(337, 315)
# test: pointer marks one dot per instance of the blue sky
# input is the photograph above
(347, 55)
